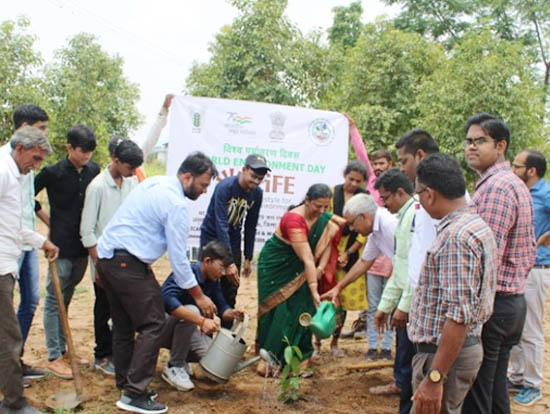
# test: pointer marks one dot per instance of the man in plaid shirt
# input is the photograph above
(504, 202)
(455, 291)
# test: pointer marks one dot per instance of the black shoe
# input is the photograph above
(372, 355)
(385, 355)
(142, 404)
(30, 372)
(26, 382)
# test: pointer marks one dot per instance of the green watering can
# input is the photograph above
(323, 323)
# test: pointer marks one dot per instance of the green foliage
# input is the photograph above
(85, 85)
(346, 27)
(154, 167)
(19, 81)
(290, 376)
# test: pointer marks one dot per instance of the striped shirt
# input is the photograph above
(458, 278)
(504, 202)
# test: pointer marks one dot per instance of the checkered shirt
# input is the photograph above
(504, 202)
(458, 279)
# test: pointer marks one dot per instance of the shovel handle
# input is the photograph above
(66, 329)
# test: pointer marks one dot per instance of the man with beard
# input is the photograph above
(236, 200)
(152, 220)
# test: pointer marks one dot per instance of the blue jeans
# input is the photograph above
(29, 290)
(375, 287)
(70, 271)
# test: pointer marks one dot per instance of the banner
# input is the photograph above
(302, 147)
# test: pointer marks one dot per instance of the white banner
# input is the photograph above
(302, 147)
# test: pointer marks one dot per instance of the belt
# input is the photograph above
(432, 348)
(122, 252)
(541, 266)
(507, 294)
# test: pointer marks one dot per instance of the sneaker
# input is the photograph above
(150, 393)
(177, 377)
(105, 365)
(60, 368)
(26, 382)
(357, 326)
(372, 355)
(385, 355)
(142, 404)
(30, 372)
(514, 387)
(83, 362)
(362, 334)
(528, 396)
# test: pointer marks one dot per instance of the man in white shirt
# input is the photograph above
(30, 149)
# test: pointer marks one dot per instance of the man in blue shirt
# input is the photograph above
(233, 199)
(152, 220)
(527, 357)
(186, 333)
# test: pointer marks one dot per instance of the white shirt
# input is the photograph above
(12, 233)
(381, 240)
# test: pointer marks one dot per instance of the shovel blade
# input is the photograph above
(66, 400)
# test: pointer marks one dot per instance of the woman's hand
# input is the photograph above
(316, 299)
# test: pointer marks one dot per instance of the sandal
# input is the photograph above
(338, 353)
(387, 389)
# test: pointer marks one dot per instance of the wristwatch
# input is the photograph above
(435, 376)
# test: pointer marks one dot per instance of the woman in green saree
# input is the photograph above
(288, 269)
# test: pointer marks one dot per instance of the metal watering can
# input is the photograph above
(226, 351)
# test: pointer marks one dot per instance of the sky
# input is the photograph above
(158, 40)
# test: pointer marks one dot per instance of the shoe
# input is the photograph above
(372, 355)
(30, 372)
(356, 326)
(362, 334)
(188, 368)
(105, 365)
(150, 393)
(513, 387)
(60, 368)
(178, 378)
(385, 355)
(27, 409)
(26, 382)
(388, 389)
(528, 396)
(83, 362)
(142, 404)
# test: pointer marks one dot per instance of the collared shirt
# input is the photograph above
(12, 233)
(504, 202)
(397, 291)
(381, 240)
(174, 296)
(458, 280)
(541, 207)
(153, 219)
(27, 213)
(66, 189)
(103, 198)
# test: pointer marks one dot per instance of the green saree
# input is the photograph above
(283, 293)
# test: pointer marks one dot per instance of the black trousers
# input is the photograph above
(102, 331)
(136, 307)
(229, 290)
(489, 394)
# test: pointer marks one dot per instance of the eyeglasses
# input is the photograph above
(518, 167)
(476, 142)
(355, 219)
(386, 197)
(421, 191)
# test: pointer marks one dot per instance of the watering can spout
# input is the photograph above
(263, 355)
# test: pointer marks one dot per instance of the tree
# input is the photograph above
(19, 81)
(346, 26)
(85, 85)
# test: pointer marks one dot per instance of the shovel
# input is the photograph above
(65, 400)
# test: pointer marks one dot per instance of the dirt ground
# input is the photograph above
(333, 388)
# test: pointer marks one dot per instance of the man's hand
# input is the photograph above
(380, 320)
(247, 268)
(205, 304)
(233, 314)
(209, 326)
(427, 398)
(232, 274)
(544, 240)
(332, 294)
(399, 319)
(168, 101)
(52, 251)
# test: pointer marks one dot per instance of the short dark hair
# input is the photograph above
(216, 250)
(494, 127)
(30, 114)
(381, 153)
(318, 191)
(197, 164)
(82, 136)
(417, 139)
(129, 152)
(358, 167)
(442, 172)
(393, 179)
(537, 160)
